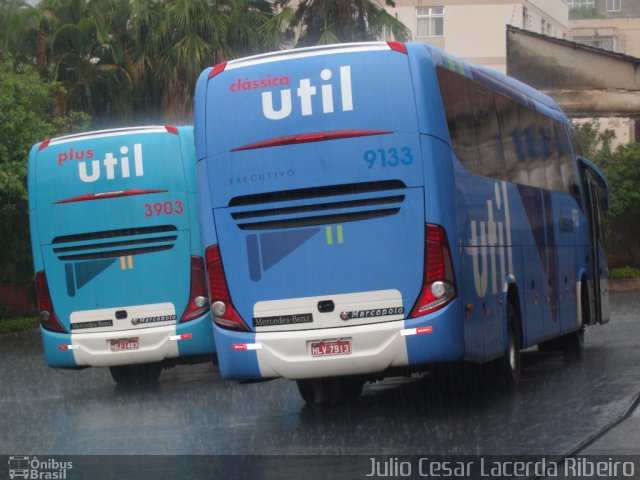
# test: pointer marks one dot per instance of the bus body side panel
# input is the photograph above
(447, 341)
(200, 329)
(431, 117)
(237, 354)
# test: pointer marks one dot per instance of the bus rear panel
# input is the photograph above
(321, 255)
(116, 248)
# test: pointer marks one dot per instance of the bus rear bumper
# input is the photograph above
(373, 348)
(153, 344)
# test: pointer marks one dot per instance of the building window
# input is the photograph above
(430, 21)
(604, 43)
(526, 18)
(581, 3)
(614, 5)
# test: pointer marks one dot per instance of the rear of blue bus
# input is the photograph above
(327, 213)
(116, 248)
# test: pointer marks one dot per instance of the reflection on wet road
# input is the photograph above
(559, 404)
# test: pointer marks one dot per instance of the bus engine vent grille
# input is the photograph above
(115, 243)
(322, 205)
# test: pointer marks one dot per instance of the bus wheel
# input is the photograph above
(330, 390)
(508, 366)
(140, 374)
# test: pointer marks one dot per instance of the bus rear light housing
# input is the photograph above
(224, 313)
(48, 317)
(438, 286)
(198, 301)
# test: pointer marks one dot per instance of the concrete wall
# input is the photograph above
(564, 65)
(586, 82)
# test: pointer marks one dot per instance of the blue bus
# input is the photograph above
(117, 252)
(378, 208)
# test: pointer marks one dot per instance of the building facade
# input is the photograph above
(475, 29)
(612, 25)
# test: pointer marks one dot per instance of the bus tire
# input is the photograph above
(139, 374)
(330, 390)
(508, 366)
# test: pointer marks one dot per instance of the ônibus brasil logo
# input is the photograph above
(34, 468)
(307, 89)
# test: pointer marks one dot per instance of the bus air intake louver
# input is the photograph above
(322, 205)
(115, 243)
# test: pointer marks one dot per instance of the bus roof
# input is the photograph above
(114, 132)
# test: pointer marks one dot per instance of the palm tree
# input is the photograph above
(335, 21)
(86, 67)
(174, 40)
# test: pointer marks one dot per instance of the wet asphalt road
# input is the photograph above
(559, 404)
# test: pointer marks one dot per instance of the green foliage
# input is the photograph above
(18, 324)
(621, 168)
(25, 118)
(625, 272)
(335, 21)
(25, 104)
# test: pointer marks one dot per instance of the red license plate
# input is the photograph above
(124, 344)
(333, 347)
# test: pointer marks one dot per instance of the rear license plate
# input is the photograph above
(124, 344)
(332, 347)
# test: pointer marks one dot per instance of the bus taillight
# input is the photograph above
(198, 301)
(224, 313)
(48, 318)
(438, 286)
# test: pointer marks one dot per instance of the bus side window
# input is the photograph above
(491, 161)
(457, 106)
(512, 144)
(567, 168)
(552, 157)
(535, 164)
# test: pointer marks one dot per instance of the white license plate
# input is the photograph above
(122, 344)
(332, 347)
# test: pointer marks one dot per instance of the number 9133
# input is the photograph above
(390, 157)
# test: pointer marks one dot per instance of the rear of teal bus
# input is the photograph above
(327, 212)
(116, 248)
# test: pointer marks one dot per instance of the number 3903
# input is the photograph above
(163, 208)
(390, 157)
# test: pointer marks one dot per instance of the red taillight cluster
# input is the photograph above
(224, 313)
(48, 318)
(438, 285)
(198, 300)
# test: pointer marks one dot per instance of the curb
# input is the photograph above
(624, 284)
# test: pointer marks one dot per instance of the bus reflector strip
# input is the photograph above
(417, 331)
(219, 68)
(246, 346)
(398, 47)
(68, 347)
(184, 336)
(103, 195)
(311, 137)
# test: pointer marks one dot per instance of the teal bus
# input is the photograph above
(117, 251)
